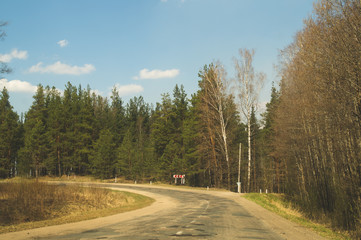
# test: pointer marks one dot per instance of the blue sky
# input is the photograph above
(144, 47)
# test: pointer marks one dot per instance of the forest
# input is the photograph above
(306, 144)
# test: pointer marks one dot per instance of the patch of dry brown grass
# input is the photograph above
(27, 204)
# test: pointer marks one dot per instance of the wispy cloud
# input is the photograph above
(156, 74)
(62, 68)
(125, 90)
(13, 54)
(63, 43)
(17, 86)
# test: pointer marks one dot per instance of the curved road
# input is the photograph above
(179, 214)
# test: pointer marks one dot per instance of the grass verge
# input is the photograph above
(28, 204)
(278, 204)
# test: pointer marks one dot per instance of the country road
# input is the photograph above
(178, 214)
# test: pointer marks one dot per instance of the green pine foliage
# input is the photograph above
(10, 136)
(104, 156)
(80, 133)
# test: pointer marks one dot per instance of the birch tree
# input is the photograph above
(214, 85)
(248, 84)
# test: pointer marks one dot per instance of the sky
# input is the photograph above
(143, 47)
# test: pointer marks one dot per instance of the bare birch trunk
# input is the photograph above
(248, 83)
(249, 153)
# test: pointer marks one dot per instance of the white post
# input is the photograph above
(266, 190)
(239, 167)
(260, 191)
(239, 187)
(115, 179)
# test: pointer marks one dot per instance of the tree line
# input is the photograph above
(317, 124)
(79, 132)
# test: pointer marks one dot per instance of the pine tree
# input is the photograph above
(104, 155)
(83, 130)
(180, 108)
(191, 136)
(55, 131)
(161, 133)
(36, 141)
(10, 136)
(271, 164)
(126, 156)
(117, 112)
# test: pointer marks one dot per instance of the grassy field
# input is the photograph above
(26, 204)
(278, 204)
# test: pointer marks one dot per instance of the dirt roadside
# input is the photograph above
(278, 224)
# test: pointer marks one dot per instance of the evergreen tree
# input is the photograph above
(117, 112)
(104, 155)
(83, 130)
(36, 141)
(161, 133)
(55, 131)
(191, 141)
(10, 136)
(180, 108)
(70, 118)
(126, 156)
(271, 164)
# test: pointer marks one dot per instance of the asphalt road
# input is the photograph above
(196, 216)
(179, 214)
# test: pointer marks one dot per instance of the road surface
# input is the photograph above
(178, 214)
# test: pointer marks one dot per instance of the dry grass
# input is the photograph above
(27, 204)
(279, 204)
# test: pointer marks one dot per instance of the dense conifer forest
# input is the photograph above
(306, 144)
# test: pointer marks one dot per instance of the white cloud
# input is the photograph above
(14, 54)
(156, 74)
(63, 43)
(17, 86)
(62, 68)
(130, 89)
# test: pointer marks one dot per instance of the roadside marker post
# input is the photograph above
(239, 187)
(182, 177)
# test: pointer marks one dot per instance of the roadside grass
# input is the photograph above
(278, 204)
(26, 204)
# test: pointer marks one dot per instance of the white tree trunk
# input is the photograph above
(249, 153)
